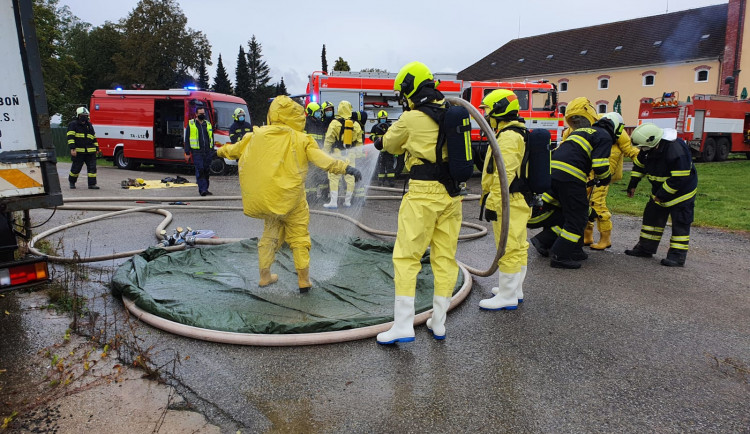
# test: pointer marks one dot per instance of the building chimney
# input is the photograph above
(732, 46)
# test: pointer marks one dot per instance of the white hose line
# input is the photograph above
(277, 340)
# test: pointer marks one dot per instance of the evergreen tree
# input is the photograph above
(242, 78)
(261, 91)
(221, 81)
(202, 74)
(324, 59)
(281, 88)
(341, 65)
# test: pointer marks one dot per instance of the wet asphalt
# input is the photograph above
(623, 344)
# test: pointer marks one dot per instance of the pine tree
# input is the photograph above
(202, 74)
(242, 79)
(341, 65)
(259, 77)
(281, 88)
(324, 60)
(221, 81)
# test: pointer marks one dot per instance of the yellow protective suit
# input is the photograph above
(582, 107)
(512, 147)
(428, 216)
(334, 129)
(272, 174)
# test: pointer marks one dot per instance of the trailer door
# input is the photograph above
(700, 119)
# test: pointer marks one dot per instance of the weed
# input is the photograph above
(731, 367)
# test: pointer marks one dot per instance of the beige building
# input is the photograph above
(689, 52)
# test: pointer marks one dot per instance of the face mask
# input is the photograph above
(201, 116)
(82, 119)
(316, 115)
(329, 114)
(382, 121)
(241, 119)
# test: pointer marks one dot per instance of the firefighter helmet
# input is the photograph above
(326, 105)
(237, 112)
(82, 111)
(411, 78)
(646, 136)
(619, 123)
(312, 108)
(382, 114)
(501, 103)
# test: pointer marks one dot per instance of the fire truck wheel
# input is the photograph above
(123, 162)
(722, 149)
(218, 167)
(709, 150)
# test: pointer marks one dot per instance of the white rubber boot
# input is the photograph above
(348, 199)
(403, 322)
(519, 290)
(506, 293)
(334, 203)
(436, 323)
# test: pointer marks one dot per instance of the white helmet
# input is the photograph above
(82, 111)
(617, 120)
(647, 136)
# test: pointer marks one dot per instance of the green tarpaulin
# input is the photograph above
(217, 287)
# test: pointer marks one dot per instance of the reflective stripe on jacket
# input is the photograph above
(82, 137)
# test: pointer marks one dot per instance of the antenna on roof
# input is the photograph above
(667, 6)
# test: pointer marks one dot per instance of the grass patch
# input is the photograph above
(723, 199)
(99, 161)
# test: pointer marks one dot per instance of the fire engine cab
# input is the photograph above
(148, 126)
(712, 125)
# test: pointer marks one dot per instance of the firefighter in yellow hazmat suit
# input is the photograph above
(341, 144)
(428, 215)
(501, 110)
(583, 109)
(272, 174)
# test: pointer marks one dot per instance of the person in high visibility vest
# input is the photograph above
(83, 148)
(199, 143)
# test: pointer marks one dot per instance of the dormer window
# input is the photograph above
(521, 59)
(657, 43)
(704, 37)
(618, 48)
(584, 52)
(549, 57)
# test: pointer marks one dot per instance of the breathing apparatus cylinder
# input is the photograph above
(348, 135)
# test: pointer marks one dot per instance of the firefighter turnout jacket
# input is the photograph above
(671, 171)
(584, 150)
(238, 130)
(316, 129)
(81, 137)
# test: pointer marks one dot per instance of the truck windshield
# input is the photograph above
(521, 94)
(224, 112)
(542, 100)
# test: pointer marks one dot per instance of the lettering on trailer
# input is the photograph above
(124, 132)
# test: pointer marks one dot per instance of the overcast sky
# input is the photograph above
(382, 34)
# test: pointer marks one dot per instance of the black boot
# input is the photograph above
(674, 258)
(544, 251)
(579, 255)
(638, 252)
(672, 263)
(558, 262)
(72, 186)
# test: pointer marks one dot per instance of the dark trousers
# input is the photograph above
(655, 220)
(202, 161)
(563, 228)
(78, 161)
(386, 168)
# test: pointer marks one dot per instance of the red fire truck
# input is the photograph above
(712, 125)
(148, 126)
(374, 91)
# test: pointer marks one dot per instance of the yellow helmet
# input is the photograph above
(411, 78)
(501, 103)
(237, 112)
(312, 108)
(326, 104)
(646, 136)
(382, 114)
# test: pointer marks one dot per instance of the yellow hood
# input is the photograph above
(581, 106)
(285, 111)
(345, 109)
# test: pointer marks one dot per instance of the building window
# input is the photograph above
(604, 83)
(564, 86)
(602, 108)
(701, 75)
(648, 80)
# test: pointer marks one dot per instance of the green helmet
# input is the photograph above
(619, 123)
(646, 136)
(312, 108)
(82, 111)
(237, 112)
(501, 103)
(382, 114)
(411, 78)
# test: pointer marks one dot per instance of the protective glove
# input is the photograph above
(354, 172)
(490, 215)
(378, 143)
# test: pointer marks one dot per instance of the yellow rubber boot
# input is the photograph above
(605, 241)
(266, 278)
(303, 278)
(588, 234)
